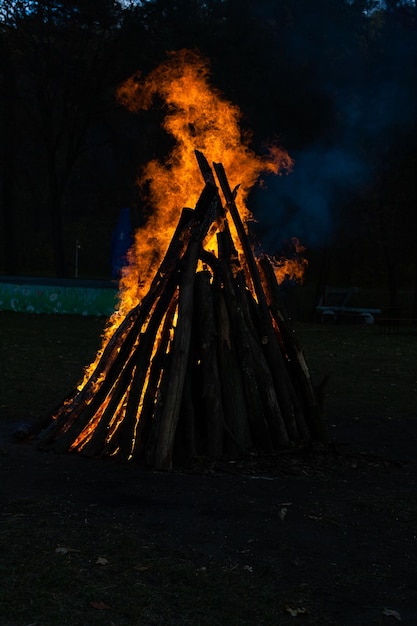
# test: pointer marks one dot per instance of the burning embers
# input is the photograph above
(205, 365)
(199, 359)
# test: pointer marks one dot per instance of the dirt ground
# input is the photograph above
(339, 525)
(332, 532)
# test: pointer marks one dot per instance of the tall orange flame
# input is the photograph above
(199, 118)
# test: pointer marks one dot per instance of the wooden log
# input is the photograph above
(283, 383)
(144, 353)
(206, 210)
(181, 343)
(221, 218)
(238, 437)
(259, 427)
(209, 370)
(189, 416)
(313, 413)
(208, 177)
(270, 401)
(156, 371)
(237, 428)
(236, 412)
(241, 232)
(278, 357)
(160, 399)
(97, 444)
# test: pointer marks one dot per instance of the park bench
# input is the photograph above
(333, 306)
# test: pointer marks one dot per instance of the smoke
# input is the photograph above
(302, 202)
(371, 96)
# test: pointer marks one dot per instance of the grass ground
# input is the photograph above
(323, 537)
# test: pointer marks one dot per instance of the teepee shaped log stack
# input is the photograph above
(205, 365)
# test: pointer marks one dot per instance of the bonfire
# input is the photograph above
(199, 359)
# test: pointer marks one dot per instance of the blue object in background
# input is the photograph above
(122, 240)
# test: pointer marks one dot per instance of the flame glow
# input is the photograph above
(291, 267)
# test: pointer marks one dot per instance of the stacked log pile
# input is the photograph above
(206, 365)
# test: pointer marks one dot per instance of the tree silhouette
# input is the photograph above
(333, 80)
